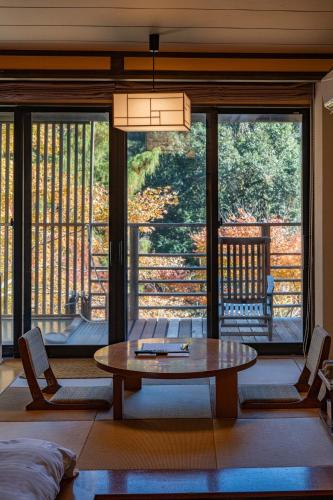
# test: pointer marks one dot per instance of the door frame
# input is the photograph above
(280, 348)
(212, 215)
(118, 225)
(22, 229)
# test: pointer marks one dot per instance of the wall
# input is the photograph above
(323, 213)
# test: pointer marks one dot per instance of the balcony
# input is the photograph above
(166, 291)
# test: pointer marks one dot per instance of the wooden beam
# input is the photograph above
(254, 482)
(201, 93)
(164, 76)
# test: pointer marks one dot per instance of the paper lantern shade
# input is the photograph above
(154, 111)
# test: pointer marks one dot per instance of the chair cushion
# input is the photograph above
(268, 394)
(83, 394)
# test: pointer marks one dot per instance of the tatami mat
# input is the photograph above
(150, 444)
(165, 401)
(76, 368)
(8, 371)
(14, 400)
(271, 371)
(272, 443)
(71, 435)
(300, 413)
(297, 413)
(169, 425)
(190, 381)
(66, 382)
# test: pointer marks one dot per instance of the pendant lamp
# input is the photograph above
(152, 111)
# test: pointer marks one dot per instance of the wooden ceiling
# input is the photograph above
(283, 26)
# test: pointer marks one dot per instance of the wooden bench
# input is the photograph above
(240, 483)
(246, 287)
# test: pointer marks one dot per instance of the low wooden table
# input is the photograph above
(208, 358)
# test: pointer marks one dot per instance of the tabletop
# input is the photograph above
(207, 358)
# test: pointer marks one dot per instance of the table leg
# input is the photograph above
(226, 396)
(133, 383)
(118, 397)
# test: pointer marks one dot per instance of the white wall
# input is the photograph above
(323, 213)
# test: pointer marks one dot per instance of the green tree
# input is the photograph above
(259, 169)
(259, 165)
(182, 166)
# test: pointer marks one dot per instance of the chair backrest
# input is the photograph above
(36, 350)
(318, 352)
(244, 267)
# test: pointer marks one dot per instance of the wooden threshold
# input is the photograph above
(254, 482)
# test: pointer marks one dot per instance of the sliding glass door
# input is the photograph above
(254, 170)
(6, 225)
(70, 227)
(262, 194)
(121, 233)
(167, 254)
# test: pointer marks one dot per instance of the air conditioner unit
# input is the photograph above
(327, 89)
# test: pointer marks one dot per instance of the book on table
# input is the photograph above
(163, 349)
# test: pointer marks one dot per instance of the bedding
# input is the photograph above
(32, 469)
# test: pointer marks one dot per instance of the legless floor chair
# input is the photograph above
(288, 396)
(35, 363)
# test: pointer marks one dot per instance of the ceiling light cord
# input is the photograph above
(154, 44)
(154, 70)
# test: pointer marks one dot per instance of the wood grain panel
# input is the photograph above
(220, 64)
(55, 92)
(54, 62)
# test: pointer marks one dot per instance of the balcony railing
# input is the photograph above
(287, 275)
(168, 284)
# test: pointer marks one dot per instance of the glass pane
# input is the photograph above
(70, 190)
(6, 231)
(167, 232)
(260, 195)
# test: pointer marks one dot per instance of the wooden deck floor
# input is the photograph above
(285, 330)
